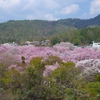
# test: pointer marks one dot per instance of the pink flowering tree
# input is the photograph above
(49, 69)
(61, 50)
(89, 66)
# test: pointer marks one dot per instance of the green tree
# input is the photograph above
(93, 90)
(52, 60)
(36, 62)
(33, 85)
(23, 59)
(10, 80)
(69, 78)
(55, 40)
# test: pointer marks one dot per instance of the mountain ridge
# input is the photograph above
(81, 23)
(22, 30)
(72, 22)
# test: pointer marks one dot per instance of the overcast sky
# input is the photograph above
(48, 9)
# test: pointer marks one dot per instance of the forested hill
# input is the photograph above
(80, 23)
(23, 30)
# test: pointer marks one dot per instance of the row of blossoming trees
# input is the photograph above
(61, 72)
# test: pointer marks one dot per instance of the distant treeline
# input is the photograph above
(78, 37)
(77, 31)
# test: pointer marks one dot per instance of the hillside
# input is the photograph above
(83, 36)
(80, 23)
(23, 30)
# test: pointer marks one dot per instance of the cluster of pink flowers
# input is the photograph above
(66, 51)
(89, 66)
(50, 68)
(80, 54)
(18, 68)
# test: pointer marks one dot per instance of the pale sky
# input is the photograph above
(48, 9)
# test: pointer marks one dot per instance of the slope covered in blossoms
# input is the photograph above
(66, 51)
(75, 55)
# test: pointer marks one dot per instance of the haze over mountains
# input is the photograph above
(22, 30)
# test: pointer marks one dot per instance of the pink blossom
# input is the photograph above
(49, 69)
(89, 66)
(61, 50)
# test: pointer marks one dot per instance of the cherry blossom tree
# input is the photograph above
(65, 51)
